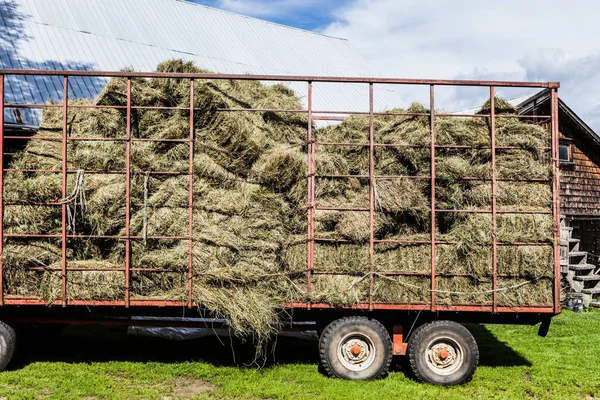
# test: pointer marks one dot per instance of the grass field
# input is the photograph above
(515, 363)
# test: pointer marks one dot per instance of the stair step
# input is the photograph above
(566, 228)
(578, 253)
(595, 304)
(591, 291)
(587, 278)
(581, 267)
(565, 242)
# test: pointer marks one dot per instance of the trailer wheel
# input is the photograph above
(8, 343)
(443, 353)
(355, 348)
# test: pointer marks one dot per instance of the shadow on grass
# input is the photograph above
(103, 344)
(494, 353)
(83, 344)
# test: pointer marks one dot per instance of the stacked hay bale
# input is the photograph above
(403, 212)
(249, 198)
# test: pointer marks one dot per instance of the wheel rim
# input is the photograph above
(444, 356)
(356, 351)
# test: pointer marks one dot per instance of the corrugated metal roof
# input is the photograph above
(115, 34)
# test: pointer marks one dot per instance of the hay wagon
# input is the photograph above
(392, 290)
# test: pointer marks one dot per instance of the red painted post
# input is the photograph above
(555, 195)
(311, 199)
(494, 188)
(191, 199)
(128, 197)
(432, 150)
(65, 108)
(371, 196)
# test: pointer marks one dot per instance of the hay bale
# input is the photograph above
(402, 258)
(401, 289)
(249, 200)
(517, 292)
(460, 290)
(339, 290)
(84, 285)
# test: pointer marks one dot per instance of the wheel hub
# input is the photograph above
(444, 356)
(356, 352)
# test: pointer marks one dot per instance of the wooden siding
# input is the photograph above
(580, 182)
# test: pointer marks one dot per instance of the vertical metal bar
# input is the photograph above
(191, 197)
(128, 196)
(555, 196)
(371, 196)
(494, 188)
(311, 198)
(432, 167)
(64, 190)
(1, 187)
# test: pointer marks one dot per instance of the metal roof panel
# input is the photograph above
(115, 34)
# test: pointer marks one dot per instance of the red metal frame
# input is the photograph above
(191, 200)
(311, 198)
(312, 176)
(432, 182)
(63, 239)
(494, 212)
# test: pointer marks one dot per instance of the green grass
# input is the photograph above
(515, 363)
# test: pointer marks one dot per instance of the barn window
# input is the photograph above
(564, 153)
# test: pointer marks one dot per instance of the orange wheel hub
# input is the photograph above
(355, 350)
(443, 354)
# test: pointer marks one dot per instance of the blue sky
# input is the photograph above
(541, 40)
(308, 14)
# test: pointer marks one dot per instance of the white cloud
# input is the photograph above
(511, 39)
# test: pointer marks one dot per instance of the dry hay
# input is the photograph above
(249, 198)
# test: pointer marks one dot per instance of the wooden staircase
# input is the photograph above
(580, 275)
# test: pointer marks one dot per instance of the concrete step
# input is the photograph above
(566, 242)
(591, 291)
(578, 253)
(595, 304)
(566, 228)
(584, 278)
(581, 267)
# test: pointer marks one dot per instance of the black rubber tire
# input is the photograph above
(429, 332)
(335, 332)
(8, 344)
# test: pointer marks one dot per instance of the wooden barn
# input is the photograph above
(579, 154)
